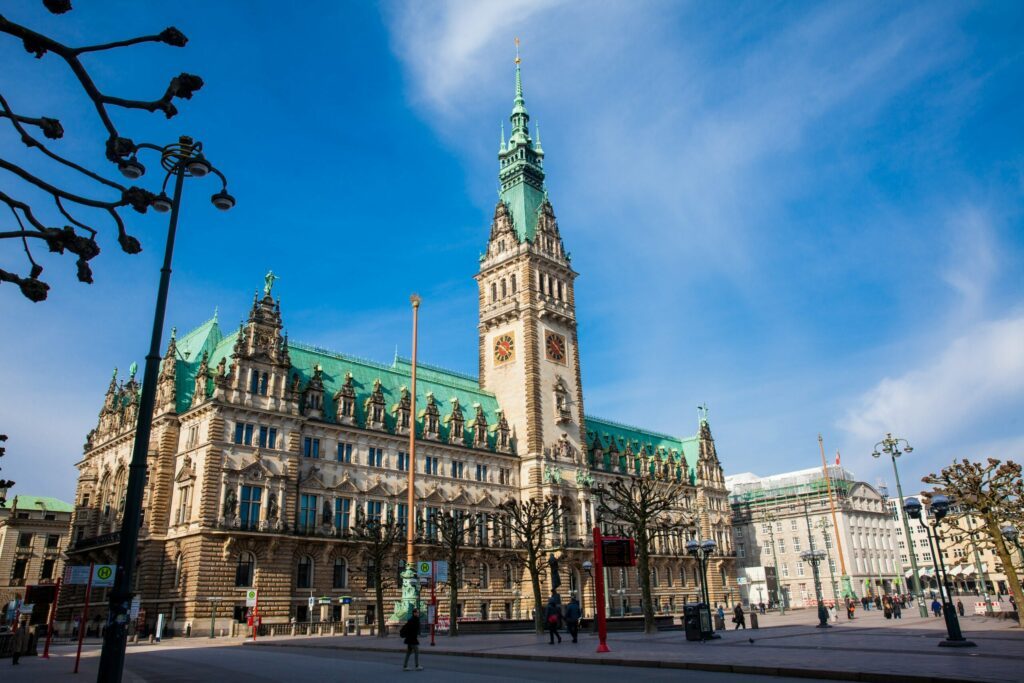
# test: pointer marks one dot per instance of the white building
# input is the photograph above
(777, 517)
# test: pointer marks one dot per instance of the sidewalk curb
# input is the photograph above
(860, 676)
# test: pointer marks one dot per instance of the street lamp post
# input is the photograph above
(831, 565)
(780, 598)
(180, 160)
(410, 585)
(895, 447)
(939, 509)
(815, 557)
(703, 551)
(1011, 534)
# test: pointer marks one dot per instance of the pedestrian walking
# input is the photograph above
(887, 607)
(552, 615)
(850, 607)
(739, 618)
(20, 642)
(936, 607)
(960, 608)
(761, 607)
(897, 610)
(721, 613)
(572, 618)
(410, 633)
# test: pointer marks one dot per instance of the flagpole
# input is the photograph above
(847, 588)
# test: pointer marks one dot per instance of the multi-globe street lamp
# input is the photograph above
(180, 160)
(895, 447)
(702, 551)
(939, 508)
(815, 557)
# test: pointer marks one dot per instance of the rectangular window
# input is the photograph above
(239, 432)
(342, 514)
(265, 440)
(53, 541)
(505, 476)
(799, 568)
(796, 544)
(47, 571)
(431, 520)
(184, 504)
(457, 469)
(249, 510)
(481, 472)
(25, 539)
(307, 512)
(402, 517)
(403, 461)
(782, 545)
(792, 525)
(311, 447)
(375, 457)
(430, 465)
(20, 565)
(785, 570)
(248, 435)
(374, 510)
(344, 452)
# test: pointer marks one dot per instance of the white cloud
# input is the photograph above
(980, 371)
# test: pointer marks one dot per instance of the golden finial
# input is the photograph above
(517, 50)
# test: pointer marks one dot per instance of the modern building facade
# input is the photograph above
(775, 518)
(33, 536)
(266, 453)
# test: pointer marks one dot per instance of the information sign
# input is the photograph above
(441, 571)
(76, 575)
(133, 613)
(103, 575)
(250, 597)
(425, 570)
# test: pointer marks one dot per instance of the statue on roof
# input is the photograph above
(268, 282)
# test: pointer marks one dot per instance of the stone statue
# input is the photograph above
(268, 282)
(230, 502)
(326, 515)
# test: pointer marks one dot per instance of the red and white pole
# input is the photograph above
(85, 617)
(602, 624)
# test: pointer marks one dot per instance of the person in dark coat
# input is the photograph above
(553, 615)
(572, 618)
(897, 610)
(20, 642)
(936, 607)
(738, 617)
(960, 607)
(411, 635)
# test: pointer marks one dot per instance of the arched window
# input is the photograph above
(504, 289)
(513, 283)
(340, 573)
(178, 562)
(254, 381)
(559, 295)
(263, 384)
(494, 292)
(304, 575)
(245, 570)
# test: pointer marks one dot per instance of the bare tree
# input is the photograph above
(993, 493)
(645, 505)
(527, 522)
(452, 534)
(76, 236)
(379, 540)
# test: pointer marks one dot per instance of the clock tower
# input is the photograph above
(528, 344)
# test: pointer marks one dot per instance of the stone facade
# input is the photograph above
(267, 453)
(33, 535)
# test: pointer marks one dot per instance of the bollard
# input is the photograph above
(152, 638)
(753, 618)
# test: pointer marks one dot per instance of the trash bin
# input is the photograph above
(753, 618)
(719, 622)
(691, 620)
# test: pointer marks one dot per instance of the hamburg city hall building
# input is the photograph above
(266, 453)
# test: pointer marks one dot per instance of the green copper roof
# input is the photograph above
(521, 170)
(444, 384)
(638, 438)
(24, 502)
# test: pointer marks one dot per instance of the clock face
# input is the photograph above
(504, 348)
(554, 347)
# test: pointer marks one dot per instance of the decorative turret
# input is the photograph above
(165, 385)
(456, 422)
(345, 402)
(401, 411)
(313, 396)
(521, 168)
(202, 380)
(708, 469)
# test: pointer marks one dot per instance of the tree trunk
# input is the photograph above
(644, 568)
(379, 597)
(538, 616)
(1008, 567)
(453, 607)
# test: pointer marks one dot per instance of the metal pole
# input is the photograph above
(115, 638)
(85, 617)
(775, 558)
(49, 622)
(410, 531)
(922, 607)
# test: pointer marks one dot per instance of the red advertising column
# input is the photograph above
(602, 625)
(49, 622)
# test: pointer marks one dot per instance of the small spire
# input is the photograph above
(216, 310)
(501, 148)
(536, 146)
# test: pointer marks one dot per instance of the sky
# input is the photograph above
(806, 215)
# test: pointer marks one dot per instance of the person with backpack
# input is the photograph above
(553, 615)
(572, 618)
(410, 634)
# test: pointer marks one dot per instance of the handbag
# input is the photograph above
(553, 619)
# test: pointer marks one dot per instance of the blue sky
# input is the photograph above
(808, 216)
